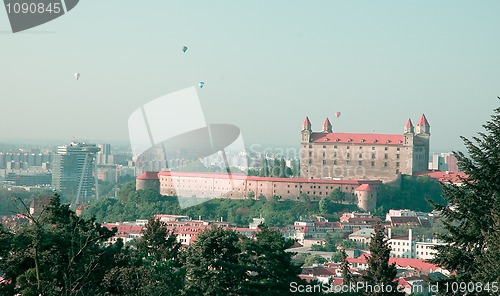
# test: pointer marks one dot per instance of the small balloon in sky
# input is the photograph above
(184, 48)
(201, 84)
(337, 114)
(77, 76)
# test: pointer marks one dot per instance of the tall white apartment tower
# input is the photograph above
(74, 171)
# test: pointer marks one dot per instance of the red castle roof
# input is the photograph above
(423, 120)
(306, 121)
(363, 187)
(409, 123)
(148, 176)
(388, 139)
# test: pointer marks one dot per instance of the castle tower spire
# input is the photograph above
(306, 126)
(423, 126)
(327, 126)
(306, 131)
(409, 129)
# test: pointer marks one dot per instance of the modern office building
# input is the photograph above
(74, 171)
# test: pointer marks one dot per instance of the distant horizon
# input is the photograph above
(265, 66)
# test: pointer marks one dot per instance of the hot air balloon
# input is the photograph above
(337, 114)
(184, 48)
(201, 84)
(77, 76)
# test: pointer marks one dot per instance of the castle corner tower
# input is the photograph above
(327, 126)
(306, 130)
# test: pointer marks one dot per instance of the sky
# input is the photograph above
(266, 65)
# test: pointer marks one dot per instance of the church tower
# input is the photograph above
(306, 131)
(327, 126)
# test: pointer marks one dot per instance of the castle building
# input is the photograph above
(363, 193)
(331, 155)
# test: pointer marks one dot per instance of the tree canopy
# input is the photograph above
(472, 213)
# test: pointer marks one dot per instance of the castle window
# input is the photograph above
(324, 146)
(335, 147)
(373, 148)
(347, 147)
(335, 162)
(397, 156)
(310, 146)
(310, 153)
(386, 156)
(373, 163)
(334, 154)
(398, 148)
(397, 164)
(385, 163)
(348, 155)
(360, 162)
(324, 161)
(361, 155)
(324, 154)
(373, 155)
(397, 171)
(361, 147)
(347, 162)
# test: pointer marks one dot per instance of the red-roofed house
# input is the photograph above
(446, 177)
(329, 154)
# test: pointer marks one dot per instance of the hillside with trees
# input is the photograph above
(62, 254)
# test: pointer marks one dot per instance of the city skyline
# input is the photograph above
(377, 64)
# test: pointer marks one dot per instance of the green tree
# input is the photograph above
(380, 272)
(337, 195)
(314, 259)
(270, 269)
(156, 254)
(57, 254)
(490, 272)
(472, 209)
(344, 266)
(212, 264)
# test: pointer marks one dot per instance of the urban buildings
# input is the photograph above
(330, 155)
(74, 171)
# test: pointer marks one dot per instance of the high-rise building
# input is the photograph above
(103, 156)
(74, 171)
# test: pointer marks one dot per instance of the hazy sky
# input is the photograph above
(266, 65)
